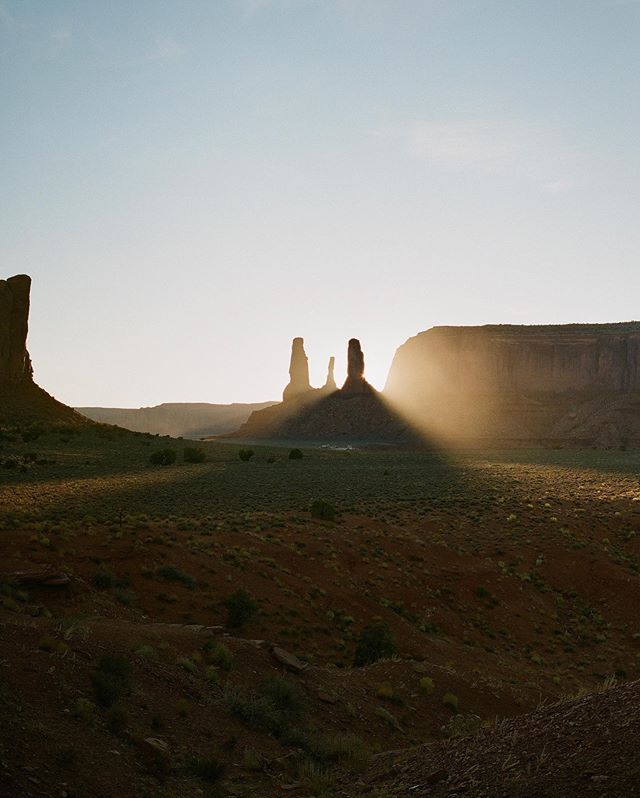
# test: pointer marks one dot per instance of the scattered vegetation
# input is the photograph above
(241, 608)
(163, 457)
(375, 643)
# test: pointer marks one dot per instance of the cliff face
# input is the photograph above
(510, 384)
(15, 363)
(22, 402)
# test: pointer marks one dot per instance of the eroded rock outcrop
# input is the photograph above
(355, 413)
(15, 363)
(22, 402)
(298, 372)
(573, 384)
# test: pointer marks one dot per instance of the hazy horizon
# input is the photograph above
(191, 185)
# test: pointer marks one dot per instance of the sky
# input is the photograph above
(193, 183)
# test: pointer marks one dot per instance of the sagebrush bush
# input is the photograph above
(111, 679)
(322, 510)
(245, 454)
(295, 454)
(163, 457)
(241, 607)
(192, 454)
(375, 643)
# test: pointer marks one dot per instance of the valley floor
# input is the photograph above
(507, 580)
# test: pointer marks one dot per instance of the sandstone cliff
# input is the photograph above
(507, 384)
(15, 363)
(21, 400)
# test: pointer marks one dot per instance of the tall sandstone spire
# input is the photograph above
(298, 372)
(355, 382)
(330, 384)
(15, 363)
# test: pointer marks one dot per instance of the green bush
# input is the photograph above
(241, 607)
(208, 768)
(295, 454)
(375, 643)
(116, 719)
(285, 695)
(245, 454)
(194, 455)
(217, 654)
(173, 574)
(322, 510)
(450, 700)
(163, 457)
(110, 680)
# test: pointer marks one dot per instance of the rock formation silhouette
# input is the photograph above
(355, 382)
(355, 412)
(330, 383)
(298, 372)
(15, 363)
(22, 402)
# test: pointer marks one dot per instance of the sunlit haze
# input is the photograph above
(192, 184)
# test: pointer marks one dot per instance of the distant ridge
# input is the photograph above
(178, 419)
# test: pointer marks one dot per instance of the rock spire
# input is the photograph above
(15, 363)
(355, 382)
(330, 384)
(298, 372)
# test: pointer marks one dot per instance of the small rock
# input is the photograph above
(156, 753)
(290, 661)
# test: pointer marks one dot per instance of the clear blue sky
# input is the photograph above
(191, 184)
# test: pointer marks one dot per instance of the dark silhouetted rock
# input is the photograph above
(298, 372)
(15, 363)
(330, 384)
(355, 382)
(356, 413)
(21, 400)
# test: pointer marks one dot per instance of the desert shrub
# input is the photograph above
(241, 607)
(462, 725)
(208, 768)
(251, 759)
(173, 574)
(147, 652)
(192, 454)
(84, 709)
(188, 664)
(388, 718)
(110, 680)
(116, 719)
(323, 510)
(217, 654)
(163, 457)
(104, 578)
(427, 685)
(375, 643)
(245, 455)
(450, 700)
(295, 454)
(286, 696)
(257, 711)
(342, 748)
(272, 708)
